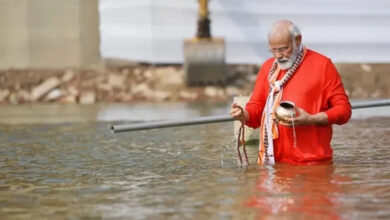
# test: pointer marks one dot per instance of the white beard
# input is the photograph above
(286, 63)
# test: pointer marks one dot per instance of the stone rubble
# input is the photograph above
(53, 95)
(44, 88)
(187, 95)
(87, 97)
(214, 92)
(3, 95)
(68, 76)
(141, 82)
(116, 80)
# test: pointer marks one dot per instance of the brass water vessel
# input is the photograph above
(286, 109)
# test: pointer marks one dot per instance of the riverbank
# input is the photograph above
(117, 83)
(127, 83)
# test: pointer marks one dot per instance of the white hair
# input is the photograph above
(293, 29)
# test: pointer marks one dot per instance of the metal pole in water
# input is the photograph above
(371, 104)
(216, 119)
(165, 124)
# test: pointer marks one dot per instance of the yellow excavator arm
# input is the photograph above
(203, 31)
(204, 56)
(203, 9)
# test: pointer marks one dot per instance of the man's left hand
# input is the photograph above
(304, 118)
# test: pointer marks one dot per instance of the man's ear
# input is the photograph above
(298, 40)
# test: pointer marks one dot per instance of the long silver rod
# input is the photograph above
(371, 104)
(216, 119)
(165, 124)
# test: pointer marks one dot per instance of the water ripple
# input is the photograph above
(83, 170)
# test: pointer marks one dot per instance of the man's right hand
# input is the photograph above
(237, 113)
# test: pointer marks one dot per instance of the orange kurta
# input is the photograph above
(315, 87)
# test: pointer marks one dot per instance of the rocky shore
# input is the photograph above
(117, 83)
(143, 82)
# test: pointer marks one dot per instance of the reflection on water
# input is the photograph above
(301, 191)
(81, 170)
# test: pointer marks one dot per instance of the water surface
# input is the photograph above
(79, 169)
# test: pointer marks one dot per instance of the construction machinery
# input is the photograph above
(204, 56)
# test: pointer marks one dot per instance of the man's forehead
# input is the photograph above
(279, 40)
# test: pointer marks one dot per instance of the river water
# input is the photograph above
(62, 162)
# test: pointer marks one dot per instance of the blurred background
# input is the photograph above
(87, 51)
(153, 31)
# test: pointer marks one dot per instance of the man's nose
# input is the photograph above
(278, 55)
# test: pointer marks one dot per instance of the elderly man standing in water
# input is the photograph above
(306, 78)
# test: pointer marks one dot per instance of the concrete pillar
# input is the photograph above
(14, 42)
(49, 33)
(90, 35)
